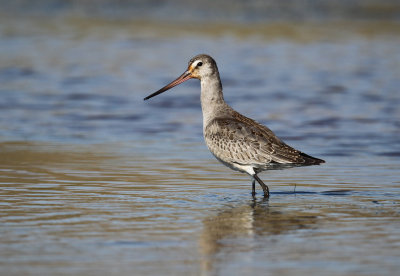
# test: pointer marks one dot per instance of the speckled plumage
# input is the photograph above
(238, 142)
(241, 140)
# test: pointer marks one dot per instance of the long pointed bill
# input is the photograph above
(184, 77)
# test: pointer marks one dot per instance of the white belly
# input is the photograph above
(237, 167)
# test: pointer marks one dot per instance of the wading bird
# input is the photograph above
(236, 141)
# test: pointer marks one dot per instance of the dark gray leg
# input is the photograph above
(253, 188)
(263, 186)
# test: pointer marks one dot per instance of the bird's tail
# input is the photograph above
(309, 160)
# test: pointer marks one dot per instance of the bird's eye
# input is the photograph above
(199, 64)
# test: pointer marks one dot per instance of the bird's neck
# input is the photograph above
(212, 98)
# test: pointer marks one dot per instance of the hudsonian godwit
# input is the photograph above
(236, 141)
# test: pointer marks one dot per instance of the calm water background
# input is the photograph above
(94, 181)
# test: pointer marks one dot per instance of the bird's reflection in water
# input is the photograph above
(242, 227)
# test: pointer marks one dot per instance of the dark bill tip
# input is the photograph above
(182, 78)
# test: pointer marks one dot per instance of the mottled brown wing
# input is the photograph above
(244, 141)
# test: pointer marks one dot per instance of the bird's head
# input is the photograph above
(199, 67)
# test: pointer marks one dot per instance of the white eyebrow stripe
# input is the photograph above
(196, 62)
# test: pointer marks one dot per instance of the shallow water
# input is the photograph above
(94, 181)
